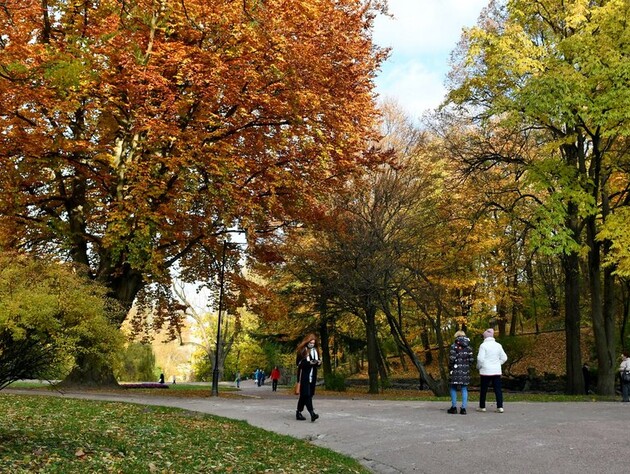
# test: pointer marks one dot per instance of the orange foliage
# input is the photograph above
(135, 134)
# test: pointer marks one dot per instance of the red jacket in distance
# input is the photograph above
(275, 374)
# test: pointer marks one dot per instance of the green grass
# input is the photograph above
(65, 436)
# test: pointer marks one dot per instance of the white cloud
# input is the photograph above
(413, 86)
(421, 36)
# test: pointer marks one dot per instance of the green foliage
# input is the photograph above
(202, 366)
(245, 356)
(54, 435)
(615, 230)
(137, 363)
(550, 234)
(49, 315)
(335, 381)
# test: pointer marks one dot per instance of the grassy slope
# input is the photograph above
(54, 435)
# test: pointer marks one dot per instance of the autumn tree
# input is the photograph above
(392, 253)
(135, 134)
(557, 69)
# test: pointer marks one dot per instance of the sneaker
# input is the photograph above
(462, 411)
(481, 410)
(499, 410)
(452, 410)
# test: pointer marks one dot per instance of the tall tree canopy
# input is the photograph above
(135, 133)
(559, 69)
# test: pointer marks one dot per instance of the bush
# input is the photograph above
(335, 382)
(49, 316)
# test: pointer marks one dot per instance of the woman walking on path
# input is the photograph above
(625, 385)
(489, 361)
(307, 361)
(275, 376)
(460, 359)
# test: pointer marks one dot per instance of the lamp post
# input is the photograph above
(215, 370)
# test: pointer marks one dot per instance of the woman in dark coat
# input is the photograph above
(460, 361)
(308, 360)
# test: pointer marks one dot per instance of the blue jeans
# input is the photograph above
(454, 395)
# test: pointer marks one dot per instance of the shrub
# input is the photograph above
(335, 382)
(49, 315)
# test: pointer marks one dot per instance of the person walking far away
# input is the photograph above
(490, 358)
(260, 377)
(624, 375)
(460, 359)
(307, 361)
(161, 378)
(275, 376)
(237, 379)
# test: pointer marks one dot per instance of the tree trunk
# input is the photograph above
(575, 380)
(372, 347)
(383, 368)
(424, 338)
(625, 301)
(502, 317)
(324, 345)
(91, 370)
(398, 335)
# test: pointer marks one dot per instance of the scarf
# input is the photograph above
(312, 355)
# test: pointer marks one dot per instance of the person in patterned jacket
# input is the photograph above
(460, 361)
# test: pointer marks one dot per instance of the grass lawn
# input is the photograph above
(65, 436)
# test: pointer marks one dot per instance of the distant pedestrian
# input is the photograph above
(161, 378)
(260, 377)
(489, 361)
(237, 379)
(586, 373)
(275, 376)
(307, 360)
(624, 375)
(460, 359)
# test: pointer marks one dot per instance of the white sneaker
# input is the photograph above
(499, 410)
(481, 409)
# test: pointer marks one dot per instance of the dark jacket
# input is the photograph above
(460, 360)
(307, 373)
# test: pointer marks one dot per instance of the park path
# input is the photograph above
(420, 437)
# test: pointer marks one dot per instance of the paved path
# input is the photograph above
(420, 437)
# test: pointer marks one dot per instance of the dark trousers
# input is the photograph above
(486, 380)
(274, 385)
(306, 397)
(305, 401)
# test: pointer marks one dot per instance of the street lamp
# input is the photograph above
(215, 371)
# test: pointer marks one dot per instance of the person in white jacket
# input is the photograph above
(625, 367)
(489, 361)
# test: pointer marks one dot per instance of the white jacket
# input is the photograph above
(625, 365)
(491, 357)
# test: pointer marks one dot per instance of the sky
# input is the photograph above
(421, 36)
